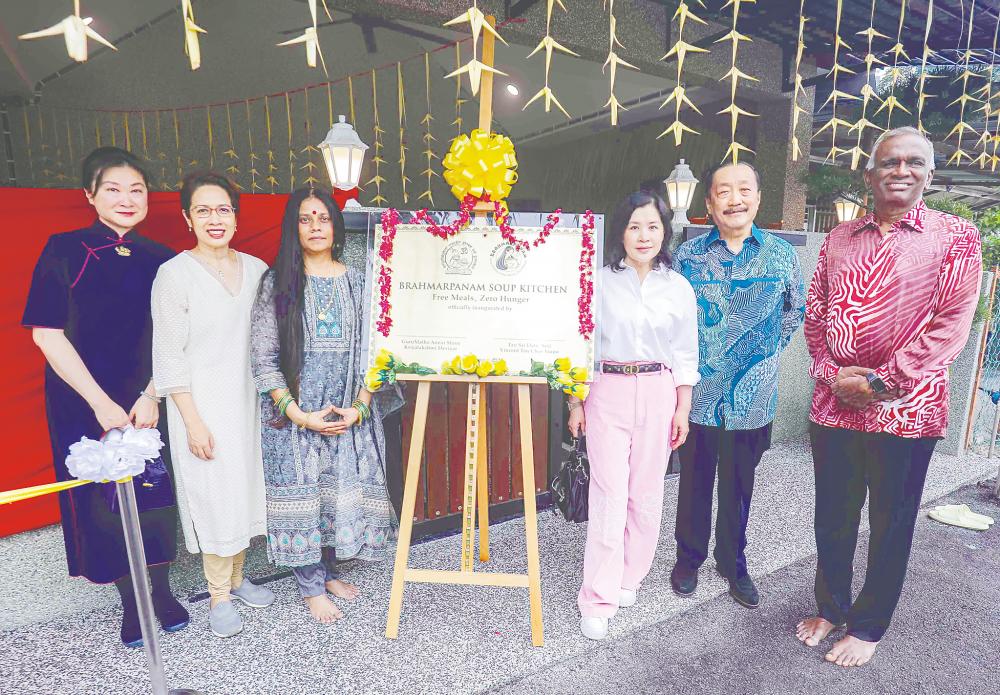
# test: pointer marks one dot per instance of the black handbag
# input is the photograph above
(153, 489)
(571, 486)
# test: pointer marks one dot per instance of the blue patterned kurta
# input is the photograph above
(749, 306)
(323, 490)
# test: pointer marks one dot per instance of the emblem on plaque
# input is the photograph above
(458, 258)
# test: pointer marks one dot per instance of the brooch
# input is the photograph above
(123, 251)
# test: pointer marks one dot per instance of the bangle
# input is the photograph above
(573, 403)
(284, 402)
(152, 398)
(364, 412)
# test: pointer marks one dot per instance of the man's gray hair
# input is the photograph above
(896, 132)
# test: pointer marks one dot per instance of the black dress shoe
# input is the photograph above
(131, 632)
(744, 592)
(169, 611)
(683, 580)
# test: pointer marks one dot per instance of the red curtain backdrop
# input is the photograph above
(30, 216)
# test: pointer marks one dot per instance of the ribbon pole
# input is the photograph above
(140, 584)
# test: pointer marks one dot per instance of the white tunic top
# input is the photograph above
(656, 321)
(201, 344)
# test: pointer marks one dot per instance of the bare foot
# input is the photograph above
(323, 609)
(342, 589)
(812, 631)
(851, 651)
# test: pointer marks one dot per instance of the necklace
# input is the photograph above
(321, 314)
(217, 268)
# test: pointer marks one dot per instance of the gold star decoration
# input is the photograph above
(613, 61)
(192, 49)
(679, 96)
(734, 76)
(835, 121)
(548, 44)
(428, 137)
(962, 126)
(75, 31)
(310, 37)
(476, 20)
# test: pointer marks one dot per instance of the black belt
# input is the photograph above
(641, 368)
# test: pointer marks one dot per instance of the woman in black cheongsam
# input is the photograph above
(89, 311)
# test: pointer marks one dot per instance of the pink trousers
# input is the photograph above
(628, 438)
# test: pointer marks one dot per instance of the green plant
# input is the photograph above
(951, 206)
(991, 252)
(824, 183)
(988, 222)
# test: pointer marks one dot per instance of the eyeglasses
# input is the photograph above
(203, 212)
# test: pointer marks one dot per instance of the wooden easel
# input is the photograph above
(475, 489)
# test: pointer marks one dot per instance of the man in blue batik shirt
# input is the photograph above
(751, 301)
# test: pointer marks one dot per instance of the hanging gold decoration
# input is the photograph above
(233, 169)
(75, 30)
(476, 20)
(613, 60)
(310, 149)
(145, 141)
(680, 49)
(428, 137)
(60, 164)
(377, 160)
(161, 155)
(311, 38)
(867, 93)
(735, 75)
(401, 110)
(211, 137)
(458, 89)
(177, 149)
(69, 142)
(271, 165)
(927, 53)
(799, 89)
(291, 152)
(836, 94)
(350, 97)
(986, 158)
(192, 49)
(963, 126)
(251, 155)
(548, 44)
(27, 143)
(895, 72)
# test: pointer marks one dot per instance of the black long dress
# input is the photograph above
(96, 287)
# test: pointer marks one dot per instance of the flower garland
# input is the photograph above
(390, 221)
(470, 364)
(562, 376)
(586, 268)
(387, 366)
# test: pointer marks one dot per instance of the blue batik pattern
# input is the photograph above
(749, 306)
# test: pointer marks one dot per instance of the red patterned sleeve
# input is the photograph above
(823, 367)
(956, 297)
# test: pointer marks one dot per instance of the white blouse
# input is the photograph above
(655, 321)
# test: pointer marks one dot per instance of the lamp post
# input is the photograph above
(344, 153)
(846, 208)
(680, 192)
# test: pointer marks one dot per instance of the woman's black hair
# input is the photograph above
(104, 158)
(620, 221)
(290, 280)
(197, 179)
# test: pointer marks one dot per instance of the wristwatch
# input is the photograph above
(878, 386)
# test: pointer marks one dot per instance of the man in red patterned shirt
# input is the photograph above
(889, 308)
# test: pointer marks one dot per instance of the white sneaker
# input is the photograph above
(627, 598)
(594, 628)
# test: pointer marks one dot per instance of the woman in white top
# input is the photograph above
(201, 357)
(637, 409)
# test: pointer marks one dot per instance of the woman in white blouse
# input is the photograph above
(637, 409)
(201, 358)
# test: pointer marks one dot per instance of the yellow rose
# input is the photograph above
(500, 367)
(456, 365)
(373, 380)
(564, 379)
(579, 374)
(446, 368)
(484, 369)
(563, 364)
(469, 364)
(384, 359)
(580, 391)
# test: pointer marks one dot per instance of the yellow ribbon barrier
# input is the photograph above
(481, 163)
(27, 493)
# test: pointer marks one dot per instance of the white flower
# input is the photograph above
(120, 454)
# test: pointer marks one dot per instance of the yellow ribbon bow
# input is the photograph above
(481, 163)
